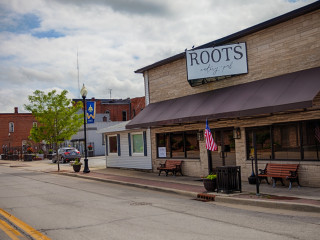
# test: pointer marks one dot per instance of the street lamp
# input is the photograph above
(84, 93)
(9, 139)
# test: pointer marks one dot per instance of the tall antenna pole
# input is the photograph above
(78, 74)
(110, 92)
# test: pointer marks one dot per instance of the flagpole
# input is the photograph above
(210, 146)
(209, 162)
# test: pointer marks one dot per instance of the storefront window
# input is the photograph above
(163, 145)
(289, 141)
(311, 140)
(178, 145)
(286, 141)
(192, 144)
(263, 141)
(113, 144)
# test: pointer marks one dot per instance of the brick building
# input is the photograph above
(274, 94)
(116, 110)
(15, 128)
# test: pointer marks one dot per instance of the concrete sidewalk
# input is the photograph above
(299, 199)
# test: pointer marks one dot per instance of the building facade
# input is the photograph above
(127, 148)
(109, 112)
(15, 129)
(277, 99)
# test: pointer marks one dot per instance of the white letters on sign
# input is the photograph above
(218, 61)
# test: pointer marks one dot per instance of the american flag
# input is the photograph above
(210, 144)
(317, 133)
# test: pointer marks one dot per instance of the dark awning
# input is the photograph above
(282, 93)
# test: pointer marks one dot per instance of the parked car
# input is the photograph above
(67, 154)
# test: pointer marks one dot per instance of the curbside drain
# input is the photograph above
(205, 197)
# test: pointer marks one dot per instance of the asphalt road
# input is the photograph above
(63, 207)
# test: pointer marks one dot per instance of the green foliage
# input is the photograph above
(211, 176)
(77, 162)
(56, 116)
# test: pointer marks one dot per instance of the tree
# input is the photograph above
(56, 116)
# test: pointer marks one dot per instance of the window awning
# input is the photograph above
(277, 94)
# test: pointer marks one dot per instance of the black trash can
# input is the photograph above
(229, 179)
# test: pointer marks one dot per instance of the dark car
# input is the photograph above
(67, 154)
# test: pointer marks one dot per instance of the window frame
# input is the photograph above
(132, 144)
(11, 127)
(168, 136)
(126, 115)
(109, 148)
(301, 142)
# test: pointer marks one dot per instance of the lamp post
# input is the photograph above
(9, 135)
(83, 93)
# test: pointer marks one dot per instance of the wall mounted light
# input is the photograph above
(236, 133)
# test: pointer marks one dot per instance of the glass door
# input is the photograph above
(226, 155)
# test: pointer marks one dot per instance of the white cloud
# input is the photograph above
(113, 39)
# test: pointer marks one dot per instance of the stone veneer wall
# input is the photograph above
(308, 172)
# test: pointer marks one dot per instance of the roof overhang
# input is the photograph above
(277, 94)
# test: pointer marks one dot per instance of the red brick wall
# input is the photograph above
(22, 126)
(137, 104)
(116, 109)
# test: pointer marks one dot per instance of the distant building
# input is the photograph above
(108, 113)
(15, 129)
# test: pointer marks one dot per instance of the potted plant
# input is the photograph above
(90, 148)
(29, 150)
(76, 165)
(210, 182)
(29, 155)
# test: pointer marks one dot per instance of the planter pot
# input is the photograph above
(76, 168)
(210, 185)
(90, 153)
(252, 180)
(28, 157)
(49, 156)
(40, 156)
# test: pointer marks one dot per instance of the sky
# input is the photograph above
(62, 44)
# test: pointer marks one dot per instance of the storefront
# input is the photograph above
(264, 79)
(127, 148)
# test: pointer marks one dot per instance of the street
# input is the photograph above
(63, 207)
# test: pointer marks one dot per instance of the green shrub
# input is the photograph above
(212, 176)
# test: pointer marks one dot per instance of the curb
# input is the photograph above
(269, 204)
(218, 198)
(162, 189)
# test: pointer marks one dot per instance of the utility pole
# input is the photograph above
(110, 92)
(78, 73)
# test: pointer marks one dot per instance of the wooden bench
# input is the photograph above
(173, 166)
(279, 172)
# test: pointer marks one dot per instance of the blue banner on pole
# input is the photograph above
(91, 111)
